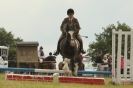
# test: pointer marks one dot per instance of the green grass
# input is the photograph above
(32, 84)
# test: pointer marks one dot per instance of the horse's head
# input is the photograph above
(71, 38)
(71, 33)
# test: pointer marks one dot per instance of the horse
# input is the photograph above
(70, 49)
(48, 63)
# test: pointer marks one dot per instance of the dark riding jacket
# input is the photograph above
(68, 24)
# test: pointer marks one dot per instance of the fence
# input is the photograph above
(122, 56)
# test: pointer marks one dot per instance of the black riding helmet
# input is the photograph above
(41, 47)
(70, 11)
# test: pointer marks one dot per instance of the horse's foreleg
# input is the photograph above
(66, 67)
(76, 69)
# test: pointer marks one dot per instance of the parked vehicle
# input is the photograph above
(4, 56)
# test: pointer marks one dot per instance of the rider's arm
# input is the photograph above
(77, 26)
(63, 26)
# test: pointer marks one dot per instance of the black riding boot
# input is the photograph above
(58, 46)
(81, 45)
(57, 51)
(81, 48)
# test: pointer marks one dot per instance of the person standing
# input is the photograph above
(41, 54)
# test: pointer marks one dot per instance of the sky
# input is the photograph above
(40, 20)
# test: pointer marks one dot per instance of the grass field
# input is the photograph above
(32, 84)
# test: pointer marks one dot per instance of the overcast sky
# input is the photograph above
(39, 20)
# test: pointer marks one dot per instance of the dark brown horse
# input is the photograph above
(49, 62)
(70, 49)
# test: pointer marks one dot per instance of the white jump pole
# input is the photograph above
(118, 76)
(131, 56)
(113, 56)
(125, 57)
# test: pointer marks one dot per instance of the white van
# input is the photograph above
(4, 56)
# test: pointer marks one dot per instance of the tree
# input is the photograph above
(103, 42)
(7, 39)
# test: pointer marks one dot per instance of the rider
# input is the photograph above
(51, 58)
(70, 23)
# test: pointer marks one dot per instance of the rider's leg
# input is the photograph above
(58, 45)
(81, 44)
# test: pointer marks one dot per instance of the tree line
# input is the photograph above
(8, 39)
(103, 42)
(101, 46)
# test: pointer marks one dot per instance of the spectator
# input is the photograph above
(110, 62)
(41, 54)
(105, 62)
(99, 62)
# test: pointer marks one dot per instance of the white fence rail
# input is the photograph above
(122, 47)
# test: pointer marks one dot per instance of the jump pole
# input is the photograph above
(51, 71)
(45, 78)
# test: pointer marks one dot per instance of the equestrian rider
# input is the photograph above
(70, 23)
